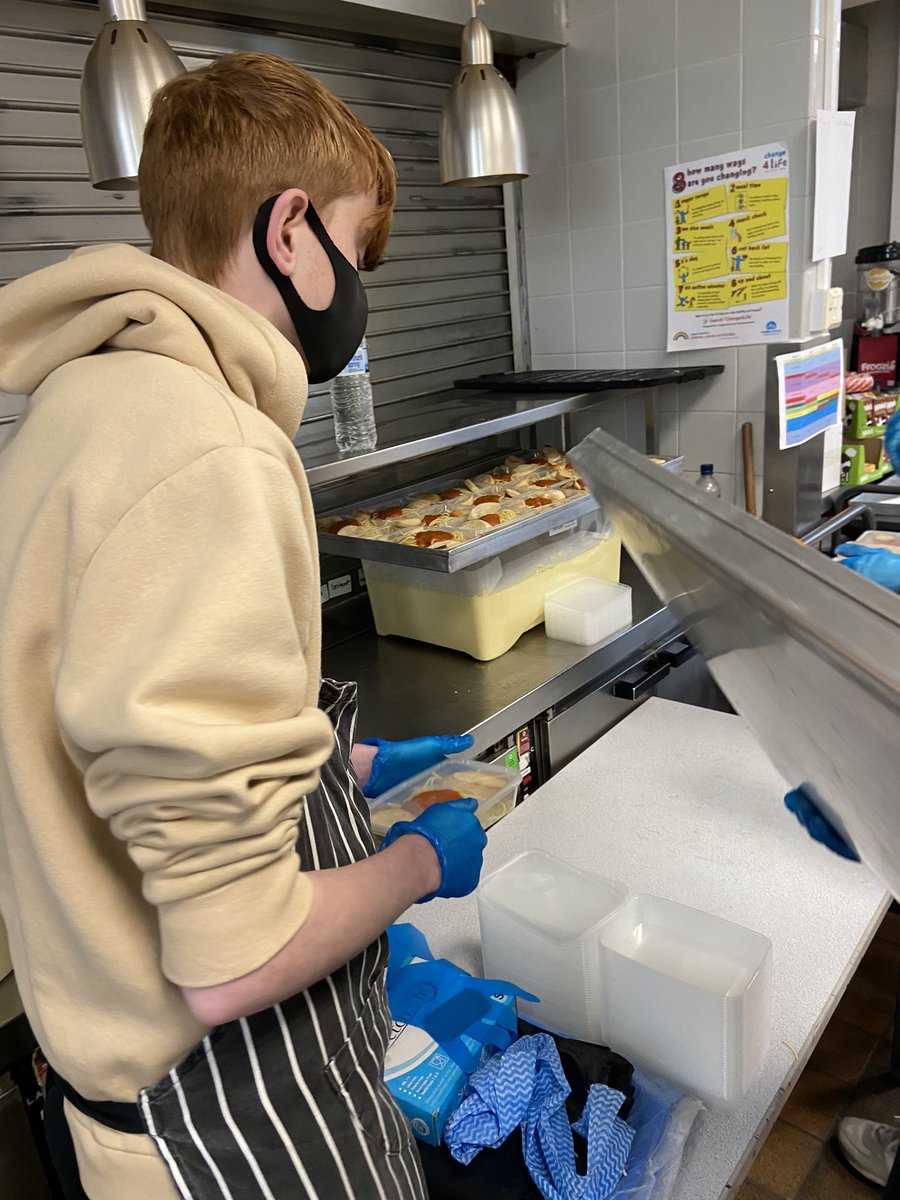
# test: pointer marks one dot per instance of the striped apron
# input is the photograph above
(290, 1102)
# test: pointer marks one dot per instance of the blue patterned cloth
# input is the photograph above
(526, 1086)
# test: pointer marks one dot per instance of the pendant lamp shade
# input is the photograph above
(482, 141)
(127, 63)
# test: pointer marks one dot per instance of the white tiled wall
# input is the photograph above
(873, 148)
(642, 84)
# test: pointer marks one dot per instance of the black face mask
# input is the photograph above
(329, 336)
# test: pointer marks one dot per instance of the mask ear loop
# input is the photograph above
(286, 289)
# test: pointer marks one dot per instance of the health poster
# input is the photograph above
(758, 257)
(756, 227)
(701, 206)
(694, 239)
(727, 237)
(810, 392)
(758, 196)
(708, 264)
(704, 297)
(757, 289)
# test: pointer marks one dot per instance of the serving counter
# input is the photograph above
(682, 803)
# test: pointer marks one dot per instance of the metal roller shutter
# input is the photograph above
(441, 301)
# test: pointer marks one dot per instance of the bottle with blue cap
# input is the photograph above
(707, 481)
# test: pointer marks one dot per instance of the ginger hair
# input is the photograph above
(224, 138)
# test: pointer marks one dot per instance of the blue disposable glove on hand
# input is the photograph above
(817, 826)
(458, 841)
(397, 761)
(872, 562)
(892, 441)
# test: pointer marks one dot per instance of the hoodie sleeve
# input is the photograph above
(187, 694)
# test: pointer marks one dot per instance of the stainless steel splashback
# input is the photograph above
(806, 651)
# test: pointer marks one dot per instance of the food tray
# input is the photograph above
(487, 546)
(495, 792)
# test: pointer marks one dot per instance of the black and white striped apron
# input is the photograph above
(291, 1102)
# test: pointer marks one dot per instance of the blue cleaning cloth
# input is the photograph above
(526, 1086)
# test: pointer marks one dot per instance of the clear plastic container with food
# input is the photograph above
(882, 539)
(493, 786)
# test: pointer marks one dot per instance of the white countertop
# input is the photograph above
(681, 802)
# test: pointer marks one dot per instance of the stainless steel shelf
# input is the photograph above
(411, 429)
(407, 688)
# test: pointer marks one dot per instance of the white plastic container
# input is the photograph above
(688, 995)
(492, 785)
(587, 611)
(482, 610)
(540, 928)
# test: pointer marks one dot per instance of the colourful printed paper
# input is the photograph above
(810, 392)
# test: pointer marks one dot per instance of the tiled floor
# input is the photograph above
(846, 1074)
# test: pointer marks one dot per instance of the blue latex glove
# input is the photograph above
(892, 441)
(872, 562)
(458, 840)
(817, 826)
(397, 761)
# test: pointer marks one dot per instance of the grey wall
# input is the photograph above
(643, 84)
(873, 146)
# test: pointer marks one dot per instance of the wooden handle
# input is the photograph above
(749, 474)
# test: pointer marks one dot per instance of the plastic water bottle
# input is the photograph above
(351, 403)
(707, 481)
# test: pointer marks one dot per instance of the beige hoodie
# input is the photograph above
(159, 656)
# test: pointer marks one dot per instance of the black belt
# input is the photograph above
(124, 1118)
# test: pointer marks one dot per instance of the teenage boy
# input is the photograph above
(186, 864)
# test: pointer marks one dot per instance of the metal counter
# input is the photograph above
(407, 688)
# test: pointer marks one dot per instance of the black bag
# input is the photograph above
(501, 1174)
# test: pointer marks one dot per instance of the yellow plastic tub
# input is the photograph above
(485, 609)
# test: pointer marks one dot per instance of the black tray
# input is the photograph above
(587, 381)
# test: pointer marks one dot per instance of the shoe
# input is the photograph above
(869, 1146)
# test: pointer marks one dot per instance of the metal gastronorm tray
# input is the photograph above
(806, 651)
(468, 554)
